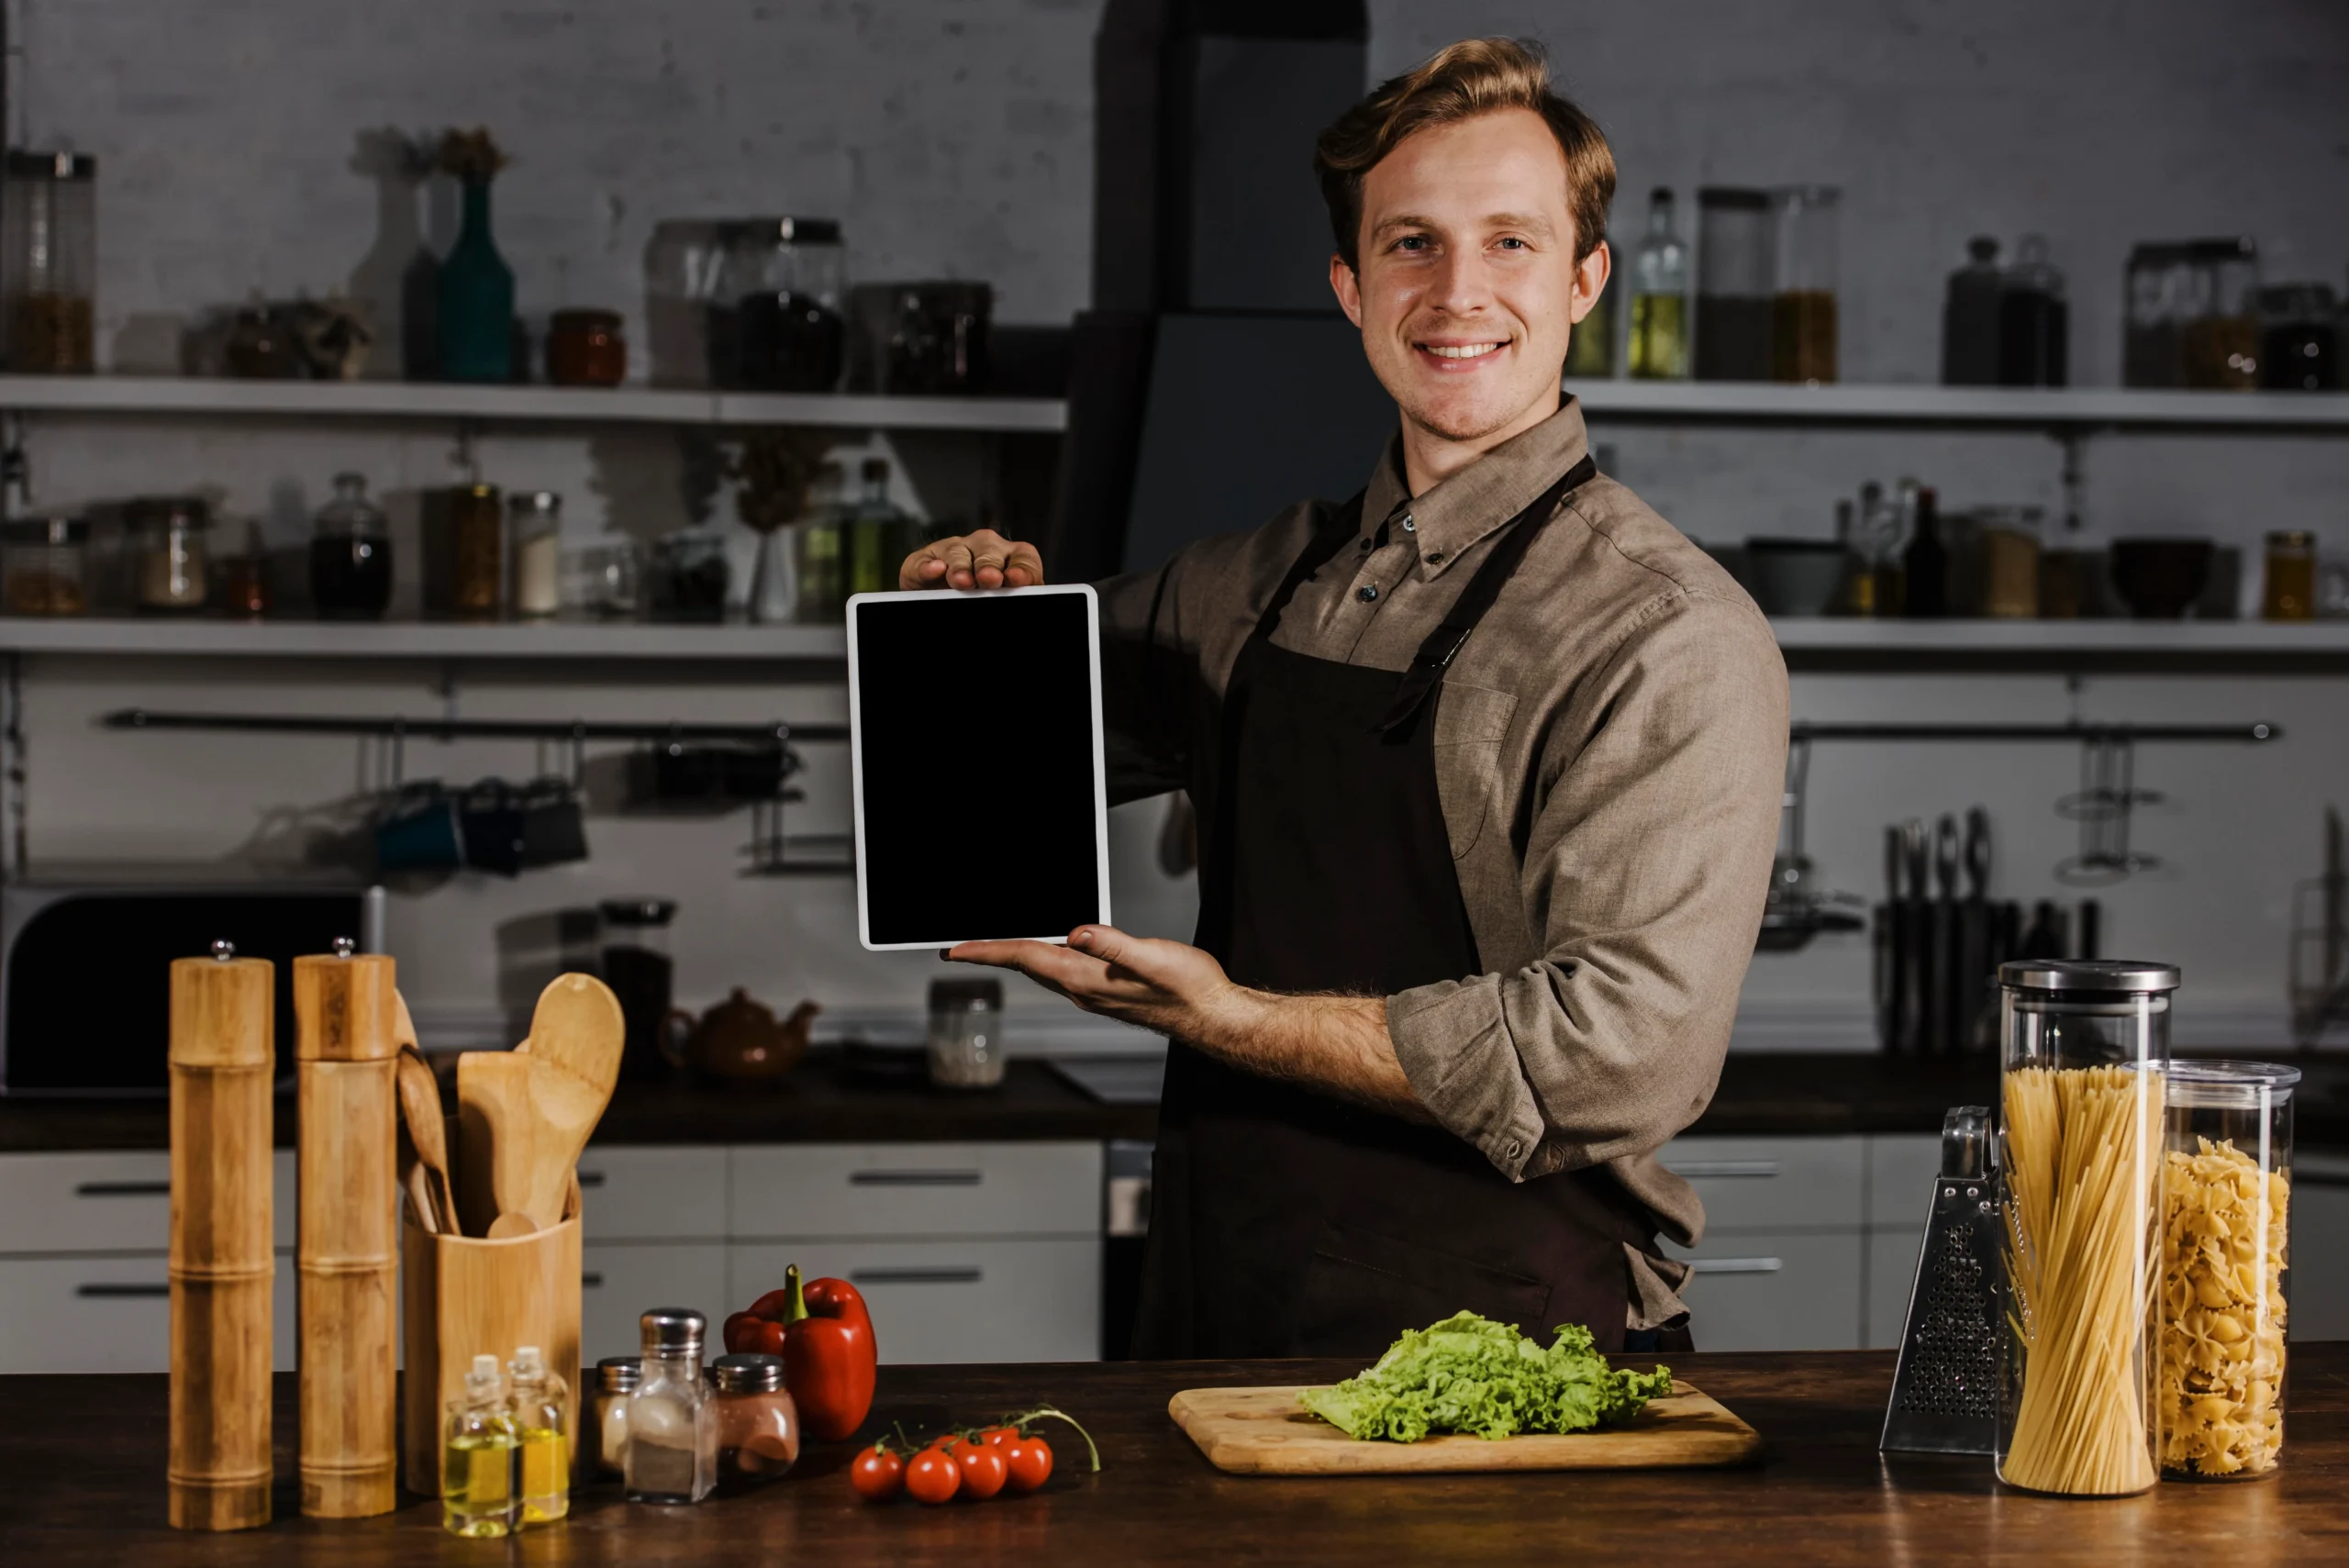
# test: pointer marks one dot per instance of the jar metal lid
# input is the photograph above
(2291, 539)
(619, 1375)
(672, 1329)
(747, 1373)
(2107, 975)
(2205, 1084)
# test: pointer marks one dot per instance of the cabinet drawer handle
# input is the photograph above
(1698, 1169)
(123, 1189)
(591, 1178)
(913, 1276)
(591, 1281)
(913, 1178)
(1735, 1265)
(122, 1292)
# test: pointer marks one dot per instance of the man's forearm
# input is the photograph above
(1337, 1044)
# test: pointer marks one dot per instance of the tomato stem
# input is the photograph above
(1048, 1412)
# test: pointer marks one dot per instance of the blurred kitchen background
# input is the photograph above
(2026, 313)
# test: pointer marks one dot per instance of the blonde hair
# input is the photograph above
(1475, 76)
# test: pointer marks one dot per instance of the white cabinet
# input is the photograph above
(915, 1189)
(1773, 1183)
(1891, 1270)
(107, 1312)
(629, 1194)
(984, 1299)
(620, 1281)
(106, 1202)
(2318, 1278)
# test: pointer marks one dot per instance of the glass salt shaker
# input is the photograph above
(966, 1033)
(602, 1430)
(672, 1424)
(758, 1422)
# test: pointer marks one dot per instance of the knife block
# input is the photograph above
(348, 1248)
(463, 1297)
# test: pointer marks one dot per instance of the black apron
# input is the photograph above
(1287, 1222)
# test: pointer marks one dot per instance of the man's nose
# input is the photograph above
(1463, 285)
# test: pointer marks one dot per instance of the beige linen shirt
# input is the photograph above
(1609, 752)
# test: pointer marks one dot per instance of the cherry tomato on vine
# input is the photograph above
(877, 1475)
(932, 1475)
(984, 1469)
(998, 1436)
(1027, 1461)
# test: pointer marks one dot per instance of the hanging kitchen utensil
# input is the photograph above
(1945, 1384)
(1915, 925)
(2107, 798)
(1940, 984)
(418, 829)
(1974, 968)
(1891, 947)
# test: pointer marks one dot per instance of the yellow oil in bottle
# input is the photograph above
(546, 1474)
(477, 1483)
(1659, 348)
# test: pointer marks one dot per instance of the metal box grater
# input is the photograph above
(1946, 1388)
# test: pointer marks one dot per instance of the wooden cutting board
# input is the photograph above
(1264, 1431)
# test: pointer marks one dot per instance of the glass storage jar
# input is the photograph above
(351, 555)
(672, 1429)
(49, 259)
(2226, 1220)
(1806, 219)
(2034, 322)
(1734, 284)
(2083, 1048)
(536, 518)
(2009, 542)
(640, 968)
(174, 566)
(2289, 589)
(2299, 339)
(690, 577)
(477, 552)
(585, 349)
(758, 1423)
(602, 1429)
(45, 566)
(966, 1033)
(789, 277)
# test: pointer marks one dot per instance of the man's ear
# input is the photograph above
(1590, 280)
(1348, 288)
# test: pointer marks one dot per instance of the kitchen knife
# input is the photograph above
(1889, 950)
(1941, 954)
(1915, 930)
(1973, 934)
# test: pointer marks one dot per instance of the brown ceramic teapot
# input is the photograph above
(739, 1040)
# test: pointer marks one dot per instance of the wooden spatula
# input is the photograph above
(521, 1124)
(578, 1027)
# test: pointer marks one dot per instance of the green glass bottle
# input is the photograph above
(1590, 348)
(476, 299)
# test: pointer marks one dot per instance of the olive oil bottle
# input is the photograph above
(543, 1442)
(477, 1457)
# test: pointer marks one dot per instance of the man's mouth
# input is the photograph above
(1461, 351)
(1456, 358)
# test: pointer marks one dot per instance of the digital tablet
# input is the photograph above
(975, 733)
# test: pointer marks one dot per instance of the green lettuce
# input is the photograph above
(1471, 1375)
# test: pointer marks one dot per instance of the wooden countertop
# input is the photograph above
(1760, 1094)
(84, 1459)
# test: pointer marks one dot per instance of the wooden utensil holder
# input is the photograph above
(464, 1295)
(348, 1249)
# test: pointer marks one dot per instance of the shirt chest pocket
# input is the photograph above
(1470, 724)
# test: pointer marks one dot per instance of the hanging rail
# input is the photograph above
(2124, 734)
(771, 734)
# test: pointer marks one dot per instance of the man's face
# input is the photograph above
(1468, 287)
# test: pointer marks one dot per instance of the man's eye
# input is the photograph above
(1412, 242)
(1511, 242)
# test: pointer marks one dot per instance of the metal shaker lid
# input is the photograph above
(744, 1373)
(2107, 975)
(619, 1375)
(670, 1329)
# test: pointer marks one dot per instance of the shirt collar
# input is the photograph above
(1459, 510)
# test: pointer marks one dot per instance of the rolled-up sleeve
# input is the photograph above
(1647, 850)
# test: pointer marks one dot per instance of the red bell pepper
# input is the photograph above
(825, 1337)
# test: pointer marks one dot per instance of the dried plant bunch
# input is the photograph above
(773, 470)
(471, 155)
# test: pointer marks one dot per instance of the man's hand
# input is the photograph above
(981, 560)
(1337, 1044)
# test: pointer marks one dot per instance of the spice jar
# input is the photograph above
(2010, 537)
(672, 1424)
(2288, 592)
(173, 560)
(758, 1424)
(2299, 339)
(2082, 1050)
(44, 566)
(351, 558)
(244, 579)
(789, 275)
(537, 525)
(1802, 310)
(690, 577)
(1735, 265)
(2225, 1228)
(49, 259)
(603, 1426)
(477, 552)
(966, 1033)
(585, 349)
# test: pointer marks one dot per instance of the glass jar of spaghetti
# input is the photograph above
(2226, 1222)
(2083, 1053)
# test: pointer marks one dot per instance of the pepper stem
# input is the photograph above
(798, 1307)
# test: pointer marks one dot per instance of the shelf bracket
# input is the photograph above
(2075, 479)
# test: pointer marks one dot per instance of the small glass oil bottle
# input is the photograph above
(544, 1437)
(477, 1456)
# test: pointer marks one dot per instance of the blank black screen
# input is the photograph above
(975, 739)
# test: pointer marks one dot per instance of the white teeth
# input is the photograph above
(1460, 351)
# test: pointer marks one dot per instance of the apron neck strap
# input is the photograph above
(1444, 644)
(1330, 537)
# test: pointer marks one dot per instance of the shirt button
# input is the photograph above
(1436, 559)
(1366, 544)
(1367, 592)
(1410, 525)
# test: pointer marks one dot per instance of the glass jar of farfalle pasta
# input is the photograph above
(2084, 1048)
(2226, 1230)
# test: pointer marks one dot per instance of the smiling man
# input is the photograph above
(1487, 766)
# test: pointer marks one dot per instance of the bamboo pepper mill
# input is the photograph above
(223, 1056)
(347, 1240)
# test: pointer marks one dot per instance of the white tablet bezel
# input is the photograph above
(856, 750)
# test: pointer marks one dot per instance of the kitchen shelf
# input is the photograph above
(528, 405)
(2057, 409)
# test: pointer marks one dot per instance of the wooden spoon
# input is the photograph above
(506, 1226)
(428, 1128)
(521, 1124)
(578, 1027)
